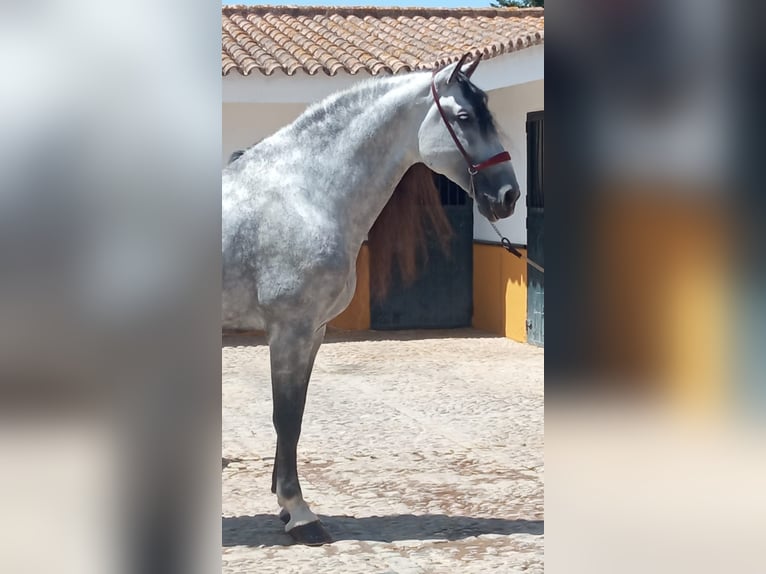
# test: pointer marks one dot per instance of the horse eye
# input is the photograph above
(463, 116)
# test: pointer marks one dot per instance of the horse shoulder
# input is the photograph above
(293, 250)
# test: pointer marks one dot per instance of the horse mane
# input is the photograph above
(235, 155)
(478, 99)
(238, 153)
(400, 234)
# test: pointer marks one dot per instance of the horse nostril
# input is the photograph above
(508, 198)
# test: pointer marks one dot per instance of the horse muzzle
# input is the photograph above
(505, 204)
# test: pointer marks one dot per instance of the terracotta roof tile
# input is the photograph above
(375, 40)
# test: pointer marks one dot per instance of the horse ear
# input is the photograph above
(457, 68)
(472, 68)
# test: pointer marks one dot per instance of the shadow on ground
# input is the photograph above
(267, 530)
(234, 338)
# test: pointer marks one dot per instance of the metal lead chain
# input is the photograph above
(506, 243)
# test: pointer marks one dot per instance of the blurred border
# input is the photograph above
(110, 286)
(655, 334)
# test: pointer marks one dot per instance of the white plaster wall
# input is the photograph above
(510, 107)
(245, 124)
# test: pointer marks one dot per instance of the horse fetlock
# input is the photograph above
(298, 512)
(288, 490)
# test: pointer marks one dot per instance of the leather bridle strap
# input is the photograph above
(473, 168)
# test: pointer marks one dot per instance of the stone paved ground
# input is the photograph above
(422, 452)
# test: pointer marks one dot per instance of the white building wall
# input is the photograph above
(510, 107)
(245, 124)
(280, 88)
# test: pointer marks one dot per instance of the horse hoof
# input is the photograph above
(311, 534)
(284, 516)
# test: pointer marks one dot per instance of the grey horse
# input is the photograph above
(298, 206)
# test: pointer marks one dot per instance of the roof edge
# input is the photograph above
(393, 11)
(233, 70)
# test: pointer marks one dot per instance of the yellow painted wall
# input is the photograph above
(357, 315)
(499, 292)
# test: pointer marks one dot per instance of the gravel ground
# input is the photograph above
(422, 452)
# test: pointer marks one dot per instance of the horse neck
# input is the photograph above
(374, 139)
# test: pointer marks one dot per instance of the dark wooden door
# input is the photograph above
(535, 230)
(442, 295)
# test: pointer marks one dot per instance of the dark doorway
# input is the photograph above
(442, 295)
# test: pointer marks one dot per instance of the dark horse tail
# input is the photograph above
(400, 234)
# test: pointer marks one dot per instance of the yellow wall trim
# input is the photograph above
(356, 317)
(499, 292)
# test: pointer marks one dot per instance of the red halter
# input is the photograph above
(473, 168)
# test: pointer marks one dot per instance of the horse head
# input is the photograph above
(459, 140)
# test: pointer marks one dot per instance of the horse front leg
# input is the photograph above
(292, 351)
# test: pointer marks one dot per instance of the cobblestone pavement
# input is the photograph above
(422, 452)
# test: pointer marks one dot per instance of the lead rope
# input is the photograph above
(505, 242)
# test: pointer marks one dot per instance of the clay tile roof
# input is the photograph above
(375, 40)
